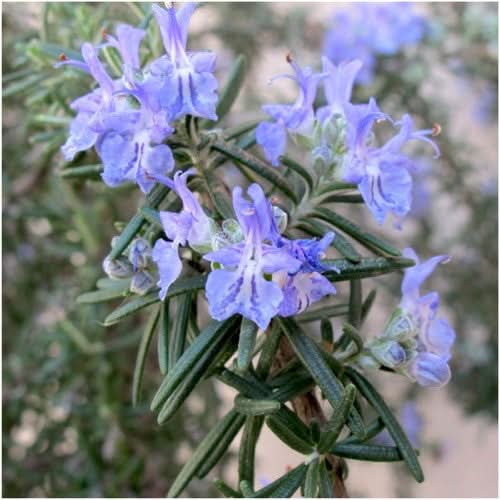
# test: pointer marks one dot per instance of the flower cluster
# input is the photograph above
(128, 119)
(341, 140)
(256, 272)
(368, 30)
(416, 342)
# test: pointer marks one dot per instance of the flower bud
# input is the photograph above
(117, 268)
(401, 326)
(139, 253)
(141, 283)
(389, 353)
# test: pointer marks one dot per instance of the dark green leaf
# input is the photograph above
(234, 132)
(312, 480)
(246, 457)
(209, 340)
(323, 312)
(120, 290)
(354, 231)
(257, 166)
(392, 425)
(232, 87)
(326, 332)
(285, 486)
(83, 172)
(310, 355)
(246, 346)
(141, 355)
(177, 339)
(299, 384)
(202, 452)
(300, 170)
(221, 447)
(154, 199)
(367, 304)
(152, 216)
(255, 407)
(269, 350)
(219, 195)
(367, 268)
(225, 489)
(372, 430)
(162, 342)
(288, 435)
(368, 452)
(325, 482)
(355, 303)
(343, 198)
(334, 426)
(246, 489)
(131, 307)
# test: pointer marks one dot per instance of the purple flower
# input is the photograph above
(188, 85)
(190, 226)
(297, 118)
(368, 30)
(244, 285)
(382, 174)
(435, 335)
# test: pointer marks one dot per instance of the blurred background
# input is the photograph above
(69, 428)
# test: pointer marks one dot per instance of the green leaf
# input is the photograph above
(208, 341)
(141, 356)
(257, 166)
(234, 132)
(255, 407)
(246, 489)
(326, 331)
(325, 482)
(323, 312)
(53, 50)
(299, 384)
(232, 87)
(334, 426)
(177, 340)
(192, 378)
(105, 294)
(162, 341)
(221, 447)
(183, 285)
(367, 304)
(246, 346)
(300, 170)
(372, 430)
(122, 283)
(343, 198)
(285, 486)
(310, 355)
(219, 195)
(367, 268)
(312, 480)
(392, 425)
(246, 456)
(288, 435)
(368, 452)
(225, 489)
(201, 453)
(154, 199)
(355, 303)
(152, 216)
(83, 172)
(131, 307)
(22, 85)
(269, 350)
(354, 231)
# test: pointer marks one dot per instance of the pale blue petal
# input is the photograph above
(166, 256)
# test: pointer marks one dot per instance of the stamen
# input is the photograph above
(63, 57)
(436, 130)
(289, 58)
(248, 211)
(103, 33)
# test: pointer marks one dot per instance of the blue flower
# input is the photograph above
(435, 335)
(244, 286)
(301, 290)
(382, 174)
(190, 226)
(297, 118)
(188, 85)
(368, 30)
